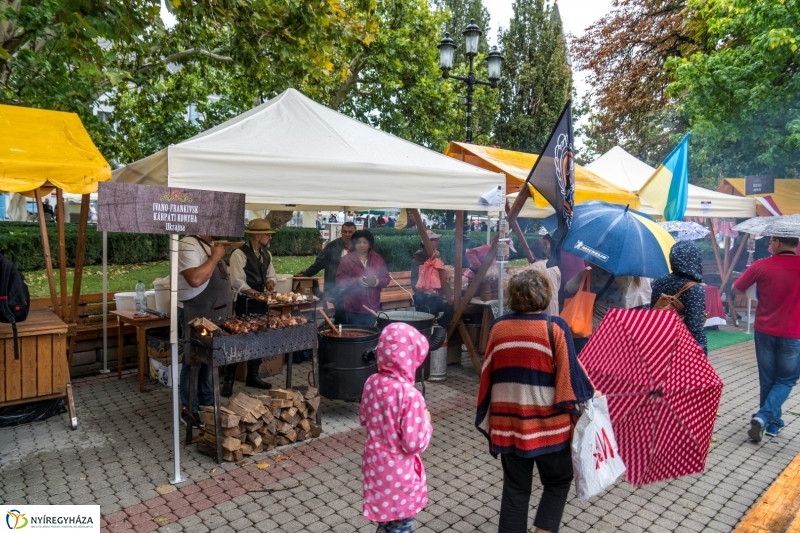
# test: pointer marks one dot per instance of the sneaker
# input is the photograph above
(756, 431)
(772, 430)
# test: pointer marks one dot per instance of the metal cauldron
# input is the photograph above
(422, 322)
(345, 363)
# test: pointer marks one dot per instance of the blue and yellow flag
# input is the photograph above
(667, 190)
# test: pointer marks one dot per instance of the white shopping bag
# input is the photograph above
(595, 457)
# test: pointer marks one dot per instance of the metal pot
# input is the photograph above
(345, 363)
(418, 320)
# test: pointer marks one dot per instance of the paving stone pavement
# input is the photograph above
(121, 458)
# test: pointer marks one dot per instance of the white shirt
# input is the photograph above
(192, 253)
(238, 276)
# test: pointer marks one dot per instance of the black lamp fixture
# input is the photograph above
(447, 48)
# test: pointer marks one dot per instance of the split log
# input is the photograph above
(305, 425)
(283, 427)
(311, 393)
(226, 420)
(313, 403)
(254, 439)
(292, 435)
(238, 455)
(287, 415)
(316, 430)
(231, 444)
(281, 394)
(254, 426)
(247, 449)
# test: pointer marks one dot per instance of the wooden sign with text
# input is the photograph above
(131, 208)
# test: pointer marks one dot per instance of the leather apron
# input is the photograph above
(214, 302)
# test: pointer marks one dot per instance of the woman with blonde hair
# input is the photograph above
(531, 385)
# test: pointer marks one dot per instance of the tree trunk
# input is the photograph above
(278, 219)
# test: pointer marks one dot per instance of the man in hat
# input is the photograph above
(252, 273)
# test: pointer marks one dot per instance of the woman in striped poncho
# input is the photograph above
(529, 394)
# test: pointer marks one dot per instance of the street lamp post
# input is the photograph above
(494, 59)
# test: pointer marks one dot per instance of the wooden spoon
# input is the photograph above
(371, 311)
(330, 324)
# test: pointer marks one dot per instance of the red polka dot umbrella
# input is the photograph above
(663, 394)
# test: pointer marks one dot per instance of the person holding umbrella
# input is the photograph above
(530, 388)
(686, 261)
(777, 331)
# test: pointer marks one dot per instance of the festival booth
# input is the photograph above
(292, 153)
(786, 195)
(625, 170)
(41, 151)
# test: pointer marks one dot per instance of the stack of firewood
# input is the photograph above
(252, 424)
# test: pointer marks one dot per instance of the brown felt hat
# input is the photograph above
(259, 225)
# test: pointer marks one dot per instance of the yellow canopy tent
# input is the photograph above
(40, 148)
(786, 195)
(517, 165)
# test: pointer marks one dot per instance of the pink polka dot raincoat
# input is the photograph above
(393, 412)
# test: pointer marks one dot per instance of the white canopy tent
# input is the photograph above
(624, 170)
(292, 153)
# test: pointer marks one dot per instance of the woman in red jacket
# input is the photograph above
(361, 275)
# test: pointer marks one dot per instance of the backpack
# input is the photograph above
(15, 300)
(666, 302)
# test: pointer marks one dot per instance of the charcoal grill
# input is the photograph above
(222, 349)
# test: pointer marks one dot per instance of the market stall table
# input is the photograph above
(142, 324)
(39, 370)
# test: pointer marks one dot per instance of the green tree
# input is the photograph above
(537, 81)
(742, 95)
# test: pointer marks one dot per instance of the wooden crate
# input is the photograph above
(41, 370)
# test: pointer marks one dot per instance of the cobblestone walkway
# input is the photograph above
(120, 457)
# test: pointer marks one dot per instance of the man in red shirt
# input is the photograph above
(777, 331)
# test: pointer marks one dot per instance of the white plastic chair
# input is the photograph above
(751, 295)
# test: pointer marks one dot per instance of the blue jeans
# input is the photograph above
(778, 361)
(202, 389)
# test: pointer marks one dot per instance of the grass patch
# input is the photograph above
(720, 339)
(124, 277)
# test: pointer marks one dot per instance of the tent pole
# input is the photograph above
(500, 267)
(488, 228)
(62, 253)
(79, 257)
(173, 339)
(48, 260)
(105, 369)
(458, 264)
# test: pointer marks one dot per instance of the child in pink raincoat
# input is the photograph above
(398, 430)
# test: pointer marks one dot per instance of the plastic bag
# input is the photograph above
(31, 412)
(595, 456)
(429, 275)
(578, 311)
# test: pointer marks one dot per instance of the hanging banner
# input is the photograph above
(131, 208)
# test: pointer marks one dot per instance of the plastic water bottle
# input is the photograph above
(141, 301)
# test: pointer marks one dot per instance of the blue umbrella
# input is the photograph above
(619, 240)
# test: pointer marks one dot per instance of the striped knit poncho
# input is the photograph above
(527, 395)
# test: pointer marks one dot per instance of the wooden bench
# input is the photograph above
(89, 321)
(398, 294)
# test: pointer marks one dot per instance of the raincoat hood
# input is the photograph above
(686, 260)
(401, 349)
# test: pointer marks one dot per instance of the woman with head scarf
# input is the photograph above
(361, 276)
(686, 261)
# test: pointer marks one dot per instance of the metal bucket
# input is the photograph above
(438, 359)
(345, 363)
(422, 322)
